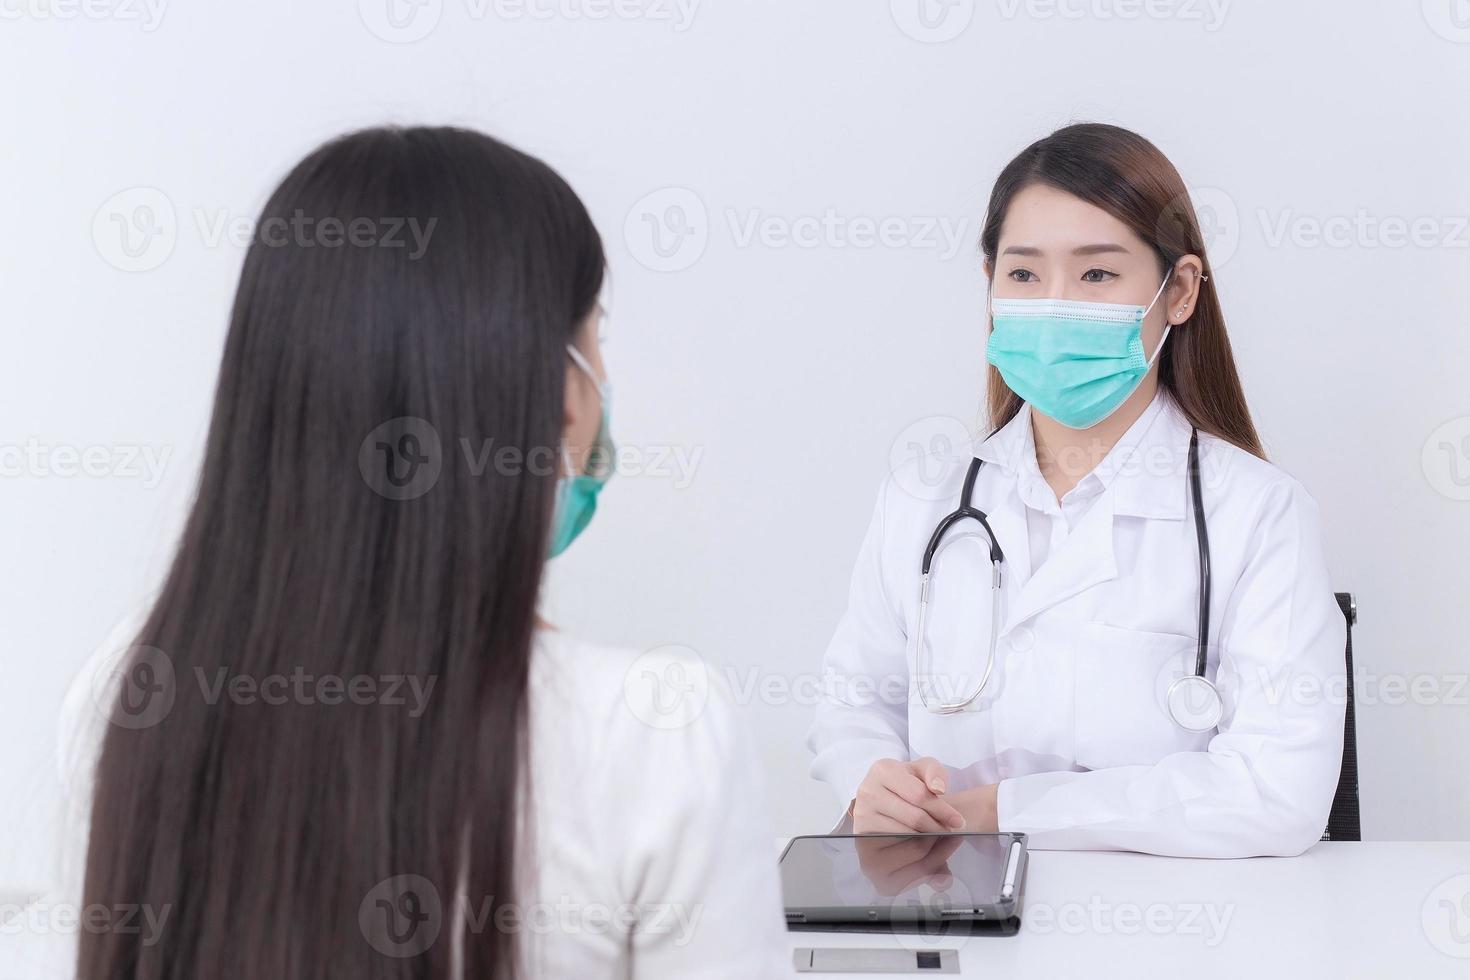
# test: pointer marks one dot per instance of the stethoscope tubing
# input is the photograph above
(967, 511)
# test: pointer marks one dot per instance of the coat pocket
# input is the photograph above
(1120, 693)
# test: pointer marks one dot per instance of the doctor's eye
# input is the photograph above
(1022, 275)
(1098, 275)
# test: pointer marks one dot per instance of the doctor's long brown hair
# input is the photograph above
(1125, 175)
(427, 274)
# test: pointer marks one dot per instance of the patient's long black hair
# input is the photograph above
(430, 276)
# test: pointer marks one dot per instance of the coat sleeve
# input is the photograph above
(862, 715)
(1264, 785)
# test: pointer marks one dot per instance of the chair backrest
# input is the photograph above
(1343, 822)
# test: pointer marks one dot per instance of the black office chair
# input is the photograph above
(1343, 822)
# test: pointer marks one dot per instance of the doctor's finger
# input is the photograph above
(913, 789)
(944, 813)
(913, 817)
(908, 788)
(931, 773)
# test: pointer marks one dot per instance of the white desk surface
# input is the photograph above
(1342, 910)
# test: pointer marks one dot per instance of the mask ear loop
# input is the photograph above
(1167, 325)
(586, 368)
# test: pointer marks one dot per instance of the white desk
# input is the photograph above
(1342, 910)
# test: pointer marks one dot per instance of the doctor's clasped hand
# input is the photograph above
(898, 797)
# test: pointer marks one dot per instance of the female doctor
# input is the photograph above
(1111, 620)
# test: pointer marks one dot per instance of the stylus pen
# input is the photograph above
(1013, 866)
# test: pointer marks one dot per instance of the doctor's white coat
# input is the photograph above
(1073, 723)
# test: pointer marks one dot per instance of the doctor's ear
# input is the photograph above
(1183, 290)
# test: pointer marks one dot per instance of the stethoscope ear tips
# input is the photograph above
(1194, 704)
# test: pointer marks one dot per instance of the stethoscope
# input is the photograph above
(1194, 702)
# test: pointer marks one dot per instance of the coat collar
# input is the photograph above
(1146, 470)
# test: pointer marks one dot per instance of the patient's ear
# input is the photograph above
(571, 396)
(578, 419)
(581, 413)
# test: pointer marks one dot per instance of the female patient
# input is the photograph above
(343, 744)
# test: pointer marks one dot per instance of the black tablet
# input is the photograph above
(903, 879)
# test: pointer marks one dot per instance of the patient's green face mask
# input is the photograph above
(1074, 362)
(576, 496)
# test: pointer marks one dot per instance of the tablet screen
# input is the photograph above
(895, 872)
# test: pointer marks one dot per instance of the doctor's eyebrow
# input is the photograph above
(1100, 248)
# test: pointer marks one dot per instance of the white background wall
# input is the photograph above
(1316, 141)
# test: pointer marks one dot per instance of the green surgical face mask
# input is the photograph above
(1074, 362)
(576, 496)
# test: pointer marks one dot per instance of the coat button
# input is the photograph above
(1023, 638)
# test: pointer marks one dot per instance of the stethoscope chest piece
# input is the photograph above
(1194, 704)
